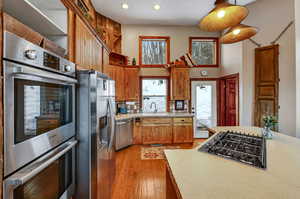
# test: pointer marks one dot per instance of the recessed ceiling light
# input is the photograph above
(125, 6)
(156, 7)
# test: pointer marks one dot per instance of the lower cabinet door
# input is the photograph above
(157, 134)
(183, 133)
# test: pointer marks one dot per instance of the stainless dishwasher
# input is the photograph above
(124, 133)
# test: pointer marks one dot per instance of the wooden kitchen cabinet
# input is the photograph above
(183, 130)
(117, 74)
(137, 133)
(164, 131)
(120, 78)
(157, 134)
(110, 71)
(157, 130)
(180, 83)
(183, 133)
(88, 51)
(132, 84)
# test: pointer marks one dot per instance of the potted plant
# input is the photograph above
(269, 123)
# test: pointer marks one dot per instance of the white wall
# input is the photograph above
(179, 44)
(297, 21)
(271, 17)
(232, 63)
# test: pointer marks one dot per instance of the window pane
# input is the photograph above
(154, 93)
(161, 104)
(154, 87)
(204, 52)
(154, 52)
(204, 104)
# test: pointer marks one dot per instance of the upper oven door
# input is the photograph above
(39, 113)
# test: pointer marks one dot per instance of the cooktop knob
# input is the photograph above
(31, 54)
(68, 68)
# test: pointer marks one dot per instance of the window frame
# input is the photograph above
(167, 78)
(218, 52)
(141, 38)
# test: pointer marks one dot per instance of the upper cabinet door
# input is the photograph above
(132, 84)
(180, 83)
(88, 51)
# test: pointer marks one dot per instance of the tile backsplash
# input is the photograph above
(134, 107)
(131, 107)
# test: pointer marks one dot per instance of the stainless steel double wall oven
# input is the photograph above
(39, 105)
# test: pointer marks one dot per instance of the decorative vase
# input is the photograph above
(133, 62)
(267, 133)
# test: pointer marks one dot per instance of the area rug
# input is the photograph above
(155, 153)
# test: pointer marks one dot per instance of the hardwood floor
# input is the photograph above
(140, 179)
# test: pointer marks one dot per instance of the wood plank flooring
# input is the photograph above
(140, 179)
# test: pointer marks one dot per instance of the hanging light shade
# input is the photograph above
(223, 16)
(238, 33)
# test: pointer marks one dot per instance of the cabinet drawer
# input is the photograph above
(183, 120)
(156, 120)
(183, 124)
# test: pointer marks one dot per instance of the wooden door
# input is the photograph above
(266, 82)
(120, 80)
(137, 133)
(81, 45)
(88, 51)
(132, 84)
(110, 71)
(180, 84)
(183, 133)
(228, 100)
(231, 102)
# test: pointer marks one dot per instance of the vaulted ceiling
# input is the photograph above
(172, 12)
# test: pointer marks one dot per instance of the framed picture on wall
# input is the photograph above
(179, 105)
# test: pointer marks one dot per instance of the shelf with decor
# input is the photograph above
(117, 59)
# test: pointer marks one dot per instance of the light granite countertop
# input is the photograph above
(143, 115)
(204, 176)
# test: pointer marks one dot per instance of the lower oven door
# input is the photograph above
(50, 177)
(39, 115)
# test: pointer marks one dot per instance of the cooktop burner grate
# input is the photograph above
(248, 149)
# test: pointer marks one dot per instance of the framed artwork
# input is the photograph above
(179, 105)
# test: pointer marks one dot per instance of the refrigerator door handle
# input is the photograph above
(112, 123)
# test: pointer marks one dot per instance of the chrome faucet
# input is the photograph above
(155, 110)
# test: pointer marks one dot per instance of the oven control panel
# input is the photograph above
(20, 50)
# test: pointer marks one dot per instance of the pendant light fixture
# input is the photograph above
(223, 16)
(238, 33)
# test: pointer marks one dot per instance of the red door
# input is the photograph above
(231, 102)
(228, 114)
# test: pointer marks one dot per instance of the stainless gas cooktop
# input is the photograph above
(247, 149)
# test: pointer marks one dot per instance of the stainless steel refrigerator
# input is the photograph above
(96, 135)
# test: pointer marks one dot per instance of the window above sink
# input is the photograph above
(154, 95)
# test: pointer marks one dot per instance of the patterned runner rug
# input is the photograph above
(155, 153)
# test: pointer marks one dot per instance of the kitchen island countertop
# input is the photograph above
(143, 115)
(200, 175)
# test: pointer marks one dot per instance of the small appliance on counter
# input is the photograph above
(121, 108)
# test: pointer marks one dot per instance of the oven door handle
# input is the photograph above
(56, 78)
(22, 177)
